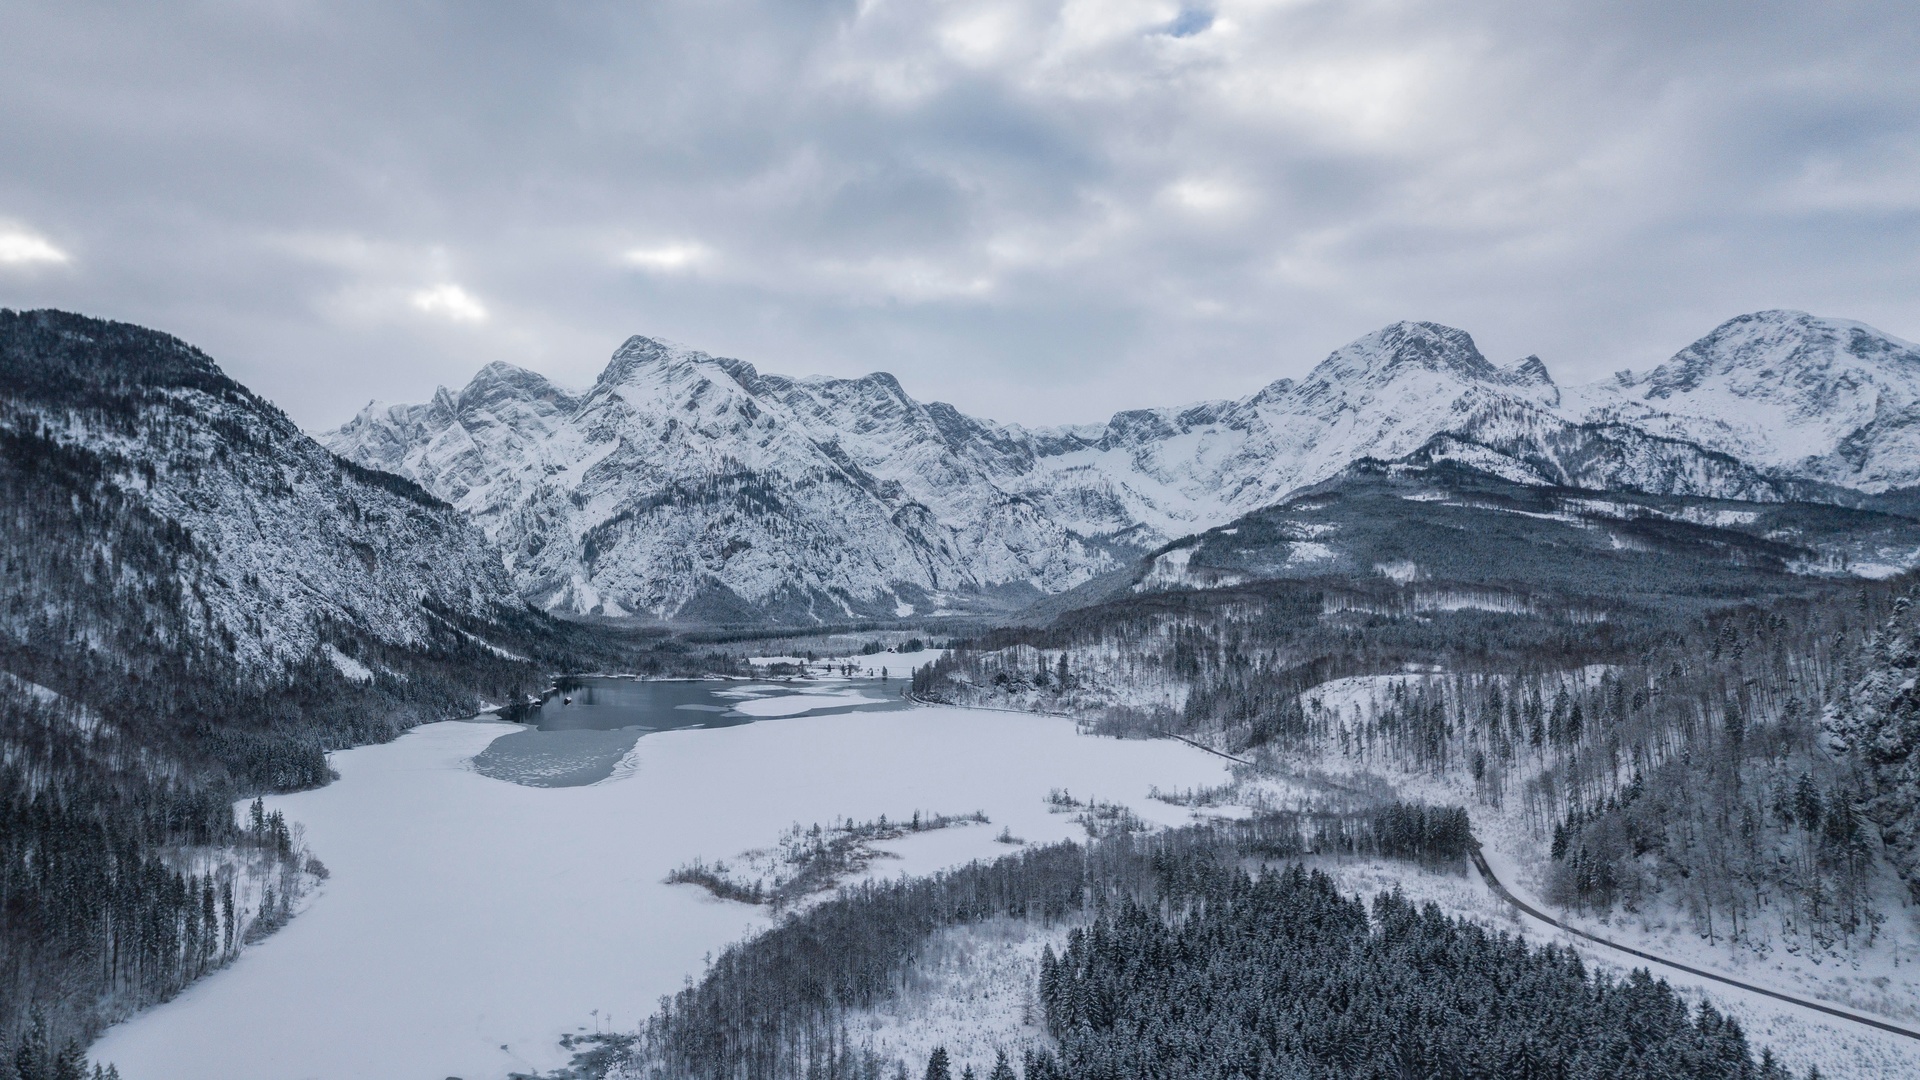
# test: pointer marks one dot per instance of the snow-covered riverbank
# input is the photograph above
(470, 922)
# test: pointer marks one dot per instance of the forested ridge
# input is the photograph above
(198, 604)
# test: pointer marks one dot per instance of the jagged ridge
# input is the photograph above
(688, 486)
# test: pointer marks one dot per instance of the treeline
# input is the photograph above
(1190, 968)
(776, 1005)
(1701, 775)
(1694, 771)
(806, 861)
(1230, 665)
(1435, 836)
(34, 1056)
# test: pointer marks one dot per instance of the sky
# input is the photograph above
(1041, 212)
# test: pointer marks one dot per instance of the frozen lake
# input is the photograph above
(580, 735)
(470, 921)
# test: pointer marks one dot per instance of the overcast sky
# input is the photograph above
(1042, 212)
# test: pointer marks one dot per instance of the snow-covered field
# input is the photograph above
(469, 922)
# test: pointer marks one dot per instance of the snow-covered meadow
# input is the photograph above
(470, 922)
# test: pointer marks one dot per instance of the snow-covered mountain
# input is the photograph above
(158, 513)
(682, 485)
(1828, 399)
(687, 486)
(1408, 388)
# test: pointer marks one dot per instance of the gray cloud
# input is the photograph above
(1039, 211)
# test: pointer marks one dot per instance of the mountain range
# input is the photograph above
(688, 487)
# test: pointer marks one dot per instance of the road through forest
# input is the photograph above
(1529, 910)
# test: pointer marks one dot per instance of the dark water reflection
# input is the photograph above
(579, 741)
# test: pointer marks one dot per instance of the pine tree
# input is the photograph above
(937, 1065)
(31, 1058)
(71, 1064)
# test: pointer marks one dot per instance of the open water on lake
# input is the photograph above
(579, 735)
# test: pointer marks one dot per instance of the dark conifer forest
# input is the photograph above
(1183, 963)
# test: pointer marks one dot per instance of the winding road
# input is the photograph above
(1480, 863)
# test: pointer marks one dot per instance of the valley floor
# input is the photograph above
(470, 923)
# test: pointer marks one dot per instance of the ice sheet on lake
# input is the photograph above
(466, 914)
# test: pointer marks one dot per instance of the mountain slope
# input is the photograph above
(199, 602)
(206, 523)
(1454, 537)
(682, 485)
(1826, 399)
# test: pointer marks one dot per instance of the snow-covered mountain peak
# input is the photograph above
(1530, 371)
(686, 485)
(1832, 399)
(1528, 376)
(1771, 351)
(502, 380)
(1391, 350)
(642, 360)
(641, 349)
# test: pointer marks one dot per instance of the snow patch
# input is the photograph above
(347, 665)
(797, 704)
(1403, 571)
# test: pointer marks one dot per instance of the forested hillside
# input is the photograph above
(1875, 725)
(1681, 715)
(199, 602)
